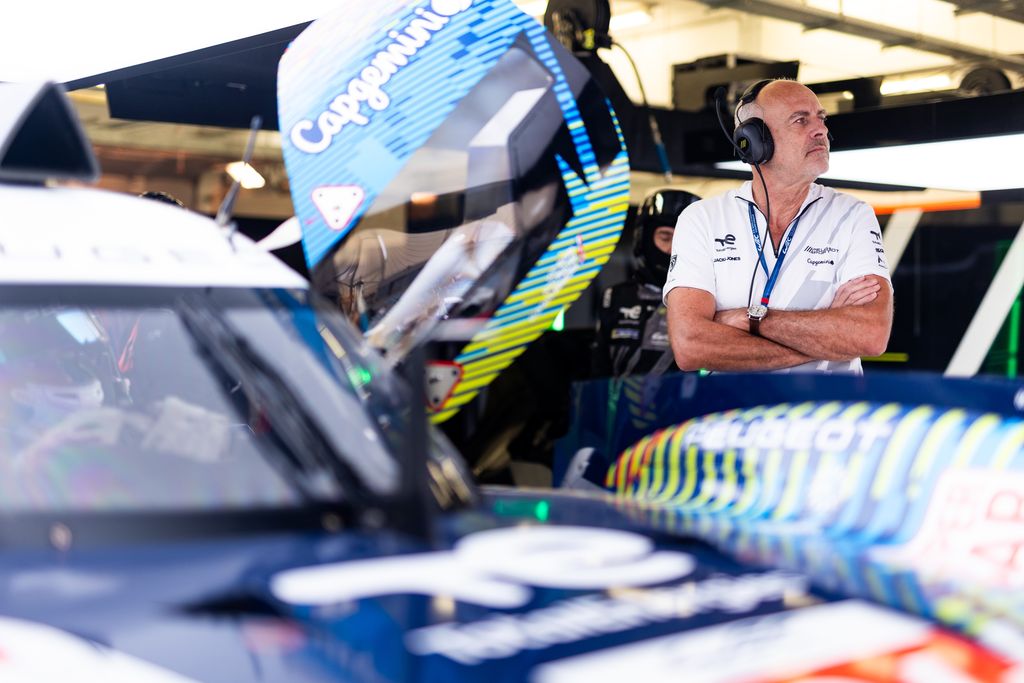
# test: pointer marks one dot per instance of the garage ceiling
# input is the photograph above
(832, 40)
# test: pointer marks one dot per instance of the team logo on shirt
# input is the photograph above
(631, 313)
(672, 263)
(726, 243)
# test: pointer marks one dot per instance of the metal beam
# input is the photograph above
(981, 333)
(812, 17)
(1014, 11)
(897, 234)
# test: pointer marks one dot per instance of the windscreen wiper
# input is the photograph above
(308, 459)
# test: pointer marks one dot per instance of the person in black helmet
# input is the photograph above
(161, 196)
(632, 331)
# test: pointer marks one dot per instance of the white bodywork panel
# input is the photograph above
(85, 236)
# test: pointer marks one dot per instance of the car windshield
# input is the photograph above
(156, 399)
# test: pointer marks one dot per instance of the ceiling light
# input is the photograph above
(247, 176)
(423, 198)
(989, 163)
(900, 86)
(628, 20)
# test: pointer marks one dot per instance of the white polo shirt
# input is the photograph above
(836, 238)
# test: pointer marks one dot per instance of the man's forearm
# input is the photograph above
(829, 334)
(714, 346)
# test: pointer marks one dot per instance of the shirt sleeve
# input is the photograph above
(865, 254)
(691, 263)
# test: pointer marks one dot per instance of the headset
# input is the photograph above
(751, 138)
(753, 144)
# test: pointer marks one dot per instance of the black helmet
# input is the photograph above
(160, 196)
(659, 208)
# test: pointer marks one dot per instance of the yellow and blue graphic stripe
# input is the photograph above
(855, 470)
(443, 51)
(599, 201)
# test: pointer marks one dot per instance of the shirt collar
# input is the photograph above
(746, 193)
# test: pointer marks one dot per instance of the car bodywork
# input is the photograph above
(450, 163)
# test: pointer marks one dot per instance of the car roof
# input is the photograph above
(67, 235)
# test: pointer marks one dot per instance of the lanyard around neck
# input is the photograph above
(774, 275)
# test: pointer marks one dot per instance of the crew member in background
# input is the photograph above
(632, 329)
(819, 297)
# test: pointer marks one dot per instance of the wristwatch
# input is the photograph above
(755, 314)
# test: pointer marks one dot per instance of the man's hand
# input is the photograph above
(856, 292)
(734, 317)
(857, 323)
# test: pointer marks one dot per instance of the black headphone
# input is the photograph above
(752, 139)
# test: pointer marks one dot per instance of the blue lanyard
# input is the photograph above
(774, 276)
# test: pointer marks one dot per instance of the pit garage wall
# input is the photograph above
(947, 270)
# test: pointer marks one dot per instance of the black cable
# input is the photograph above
(659, 144)
(767, 231)
(719, 97)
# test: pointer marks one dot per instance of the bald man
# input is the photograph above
(820, 296)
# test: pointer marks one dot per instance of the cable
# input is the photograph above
(659, 144)
(767, 233)
(719, 98)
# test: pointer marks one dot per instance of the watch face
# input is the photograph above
(757, 311)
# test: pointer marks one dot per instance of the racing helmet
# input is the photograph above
(163, 197)
(54, 363)
(660, 208)
(51, 391)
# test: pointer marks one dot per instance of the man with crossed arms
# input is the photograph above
(821, 296)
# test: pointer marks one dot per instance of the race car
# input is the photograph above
(209, 475)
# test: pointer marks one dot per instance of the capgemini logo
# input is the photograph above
(315, 136)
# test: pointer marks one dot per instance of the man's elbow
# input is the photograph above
(687, 357)
(877, 342)
(688, 363)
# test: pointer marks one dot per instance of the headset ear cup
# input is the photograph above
(754, 141)
(767, 141)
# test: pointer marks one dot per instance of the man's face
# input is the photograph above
(663, 238)
(797, 123)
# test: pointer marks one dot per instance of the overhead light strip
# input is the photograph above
(976, 164)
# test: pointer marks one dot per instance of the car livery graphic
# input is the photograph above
(920, 507)
(449, 161)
